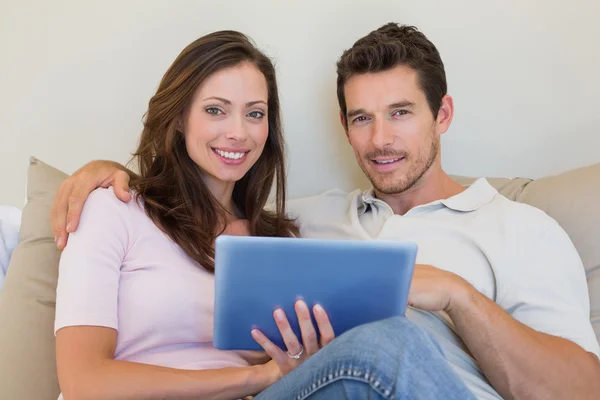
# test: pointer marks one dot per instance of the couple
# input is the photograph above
(498, 304)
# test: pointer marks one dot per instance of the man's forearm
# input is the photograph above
(519, 361)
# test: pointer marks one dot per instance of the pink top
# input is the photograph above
(120, 271)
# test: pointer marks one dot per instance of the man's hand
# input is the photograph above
(75, 190)
(518, 361)
(433, 289)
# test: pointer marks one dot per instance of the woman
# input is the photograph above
(135, 292)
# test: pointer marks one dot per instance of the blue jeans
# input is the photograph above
(389, 359)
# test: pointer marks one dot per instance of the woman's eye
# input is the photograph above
(213, 111)
(256, 114)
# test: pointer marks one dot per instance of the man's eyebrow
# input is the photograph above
(402, 104)
(354, 113)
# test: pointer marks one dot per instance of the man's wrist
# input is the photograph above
(463, 297)
(132, 175)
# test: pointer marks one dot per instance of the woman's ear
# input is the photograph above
(179, 124)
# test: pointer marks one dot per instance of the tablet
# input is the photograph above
(356, 281)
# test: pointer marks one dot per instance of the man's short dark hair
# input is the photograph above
(388, 47)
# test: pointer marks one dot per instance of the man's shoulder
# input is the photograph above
(522, 214)
(527, 224)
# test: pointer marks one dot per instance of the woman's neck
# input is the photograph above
(223, 194)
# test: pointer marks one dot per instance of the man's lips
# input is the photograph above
(386, 164)
(386, 160)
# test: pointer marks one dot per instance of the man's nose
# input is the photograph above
(382, 134)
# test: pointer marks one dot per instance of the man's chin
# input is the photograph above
(388, 185)
(384, 187)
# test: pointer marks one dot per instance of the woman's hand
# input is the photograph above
(283, 362)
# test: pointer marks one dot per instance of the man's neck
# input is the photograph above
(434, 185)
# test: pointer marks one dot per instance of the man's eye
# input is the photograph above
(213, 111)
(400, 112)
(360, 119)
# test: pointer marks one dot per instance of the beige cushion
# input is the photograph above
(27, 299)
(571, 199)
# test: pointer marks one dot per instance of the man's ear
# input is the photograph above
(445, 114)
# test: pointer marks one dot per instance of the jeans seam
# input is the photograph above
(349, 374)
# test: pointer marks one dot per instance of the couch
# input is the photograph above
(27, 358)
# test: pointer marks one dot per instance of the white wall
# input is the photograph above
(75, 78)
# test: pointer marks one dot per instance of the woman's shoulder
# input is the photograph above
(104, 211)
(105, 199)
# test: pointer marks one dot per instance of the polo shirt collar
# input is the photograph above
(478, 194)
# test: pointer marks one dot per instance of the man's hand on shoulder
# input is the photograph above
(433, 289)
(75, 190)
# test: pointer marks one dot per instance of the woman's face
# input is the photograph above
(226, 126)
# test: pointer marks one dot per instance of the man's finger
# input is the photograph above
(271, 349)
(121, 186)
(60, 209)
(309, 335)
(325, 328)
(76, 201)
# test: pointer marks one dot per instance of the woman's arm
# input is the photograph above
(87, 370)
(87, 320)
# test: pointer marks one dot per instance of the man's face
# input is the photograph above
(392, 129)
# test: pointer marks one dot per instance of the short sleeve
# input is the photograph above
(89, 269)
(547, 289)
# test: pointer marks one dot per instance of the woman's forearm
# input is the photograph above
(122, 380)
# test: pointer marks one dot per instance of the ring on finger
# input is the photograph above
(296, 356)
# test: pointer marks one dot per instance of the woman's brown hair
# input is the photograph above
(170, 183)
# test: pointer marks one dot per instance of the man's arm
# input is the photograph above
(519, 361)
(75, 190)
(531, 341)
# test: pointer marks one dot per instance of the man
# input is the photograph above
(499, 285)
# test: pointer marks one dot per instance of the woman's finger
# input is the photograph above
(307, 329)
(270, 348)
(289, 337)
(325, 328)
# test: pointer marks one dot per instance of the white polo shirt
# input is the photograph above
(513, 253)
